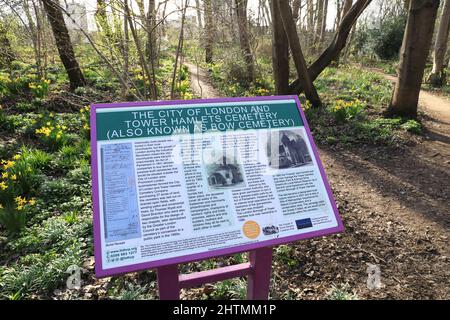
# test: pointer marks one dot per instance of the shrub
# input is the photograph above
(412, 126)
(6, 123)
(385, 41)
(344, 111)
(20, 180)
(53, 135)
(39, 88)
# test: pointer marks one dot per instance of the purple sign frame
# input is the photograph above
(100, 272)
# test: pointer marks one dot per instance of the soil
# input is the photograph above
(395, 205)
(201, 82)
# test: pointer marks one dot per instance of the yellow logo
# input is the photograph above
(251, 229)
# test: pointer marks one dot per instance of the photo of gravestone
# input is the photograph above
(287, 149)
(224, 172)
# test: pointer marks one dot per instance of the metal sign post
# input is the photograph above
(257, 270)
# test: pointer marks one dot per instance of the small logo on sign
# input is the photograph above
(303, 223)
(268, 230)
(251, 229)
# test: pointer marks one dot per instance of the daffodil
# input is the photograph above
(17, 157)
(8, 164)
(32, 202)
(3, 185)
(5, 175)
(14, 177)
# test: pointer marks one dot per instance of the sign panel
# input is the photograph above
(178, 181)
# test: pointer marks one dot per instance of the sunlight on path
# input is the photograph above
(200, 82)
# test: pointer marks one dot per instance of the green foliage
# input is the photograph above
(230, 289)
(6, 122)
(385, 41)
(345, 111)
(284, 254)
(40, 88)
(228, 80)
(21, 178)
(53, 133)
(37, 273)
(341, 293)
(412, 126)
(132, 292)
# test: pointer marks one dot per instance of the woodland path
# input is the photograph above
(201, 82)
(395, 204)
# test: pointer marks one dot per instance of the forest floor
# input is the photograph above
(395, 204)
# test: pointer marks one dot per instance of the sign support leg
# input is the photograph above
(258, 280)
(168, 283)
(258, 271)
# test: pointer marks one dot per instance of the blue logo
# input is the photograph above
(303, 223)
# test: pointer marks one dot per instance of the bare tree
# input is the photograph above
(244, 37)
(199, 14)
(6, 53)
(63, 44)
(297, 54)
(150, 75)
(151, 47)
(310, 25)
(413, 56)
(331, 53)
(280, 51)
(437, 77)
(319, 24)
(209, 31)
(179, 48)
(324, 21)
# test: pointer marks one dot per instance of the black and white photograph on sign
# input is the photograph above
(287, 149)
(224, 171)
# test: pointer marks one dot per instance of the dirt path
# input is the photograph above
(437, 113)
(201, 82)
(395, 203)
(428, 102)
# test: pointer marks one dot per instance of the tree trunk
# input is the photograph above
(324, 22)
(296, 7)
(126, 54)
(337, 19)
(63, 44)
(297, 54)
(209, 31)
(244, 38)
(151, 47)
(332, 52)
(179, 48)
(34, 37)
(310, 25)
(280, 51)
(437, 77)
(347, 5)
(319, 24)
(413, 56)
(199, 14)
(6, 53)
(144, 65)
